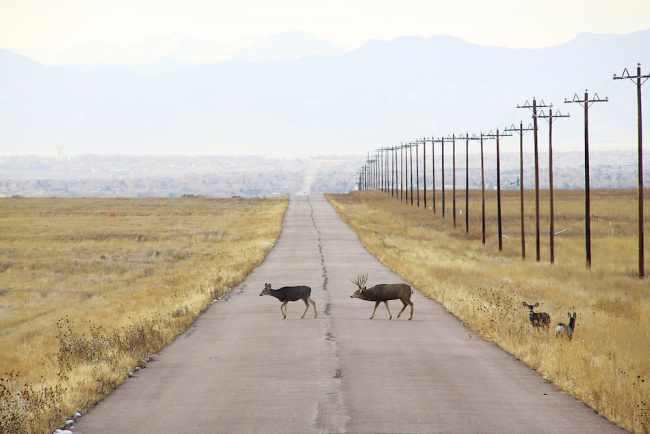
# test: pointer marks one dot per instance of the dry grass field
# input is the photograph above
(607, 363)
(85, 297)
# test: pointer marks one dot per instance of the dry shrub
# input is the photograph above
(607, 363)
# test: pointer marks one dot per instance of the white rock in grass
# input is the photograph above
(69, 422)
(63, 431)
(78, 415)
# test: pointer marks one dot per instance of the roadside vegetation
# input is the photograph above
(86, 297)
(607, 363)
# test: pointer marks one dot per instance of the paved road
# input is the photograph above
(241, 368)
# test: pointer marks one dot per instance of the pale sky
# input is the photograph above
(59, 24)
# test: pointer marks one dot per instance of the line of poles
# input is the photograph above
(391, 170)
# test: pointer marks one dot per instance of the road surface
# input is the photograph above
(241, 368)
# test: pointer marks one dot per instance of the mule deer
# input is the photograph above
(291, 293)
(566, 330)
(384, 292)
(538, 319)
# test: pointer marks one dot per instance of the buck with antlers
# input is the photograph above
(384, 292)
(291, 293)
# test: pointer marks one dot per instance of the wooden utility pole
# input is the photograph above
(453, 141)
(534, 108)
(550, 118)
(467, 139)
(442, 141)
(410, 147)
(482, 189)
(417, 169)
(424, 169)
(585, 103)
(496, 136)
(640, 79)
(521, 132)
(433, 172)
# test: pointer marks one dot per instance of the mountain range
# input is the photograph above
(380, 94)
(169, 53)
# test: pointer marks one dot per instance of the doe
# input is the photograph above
(566, 330)
(384, 292)
(291, 293)
(538, 319)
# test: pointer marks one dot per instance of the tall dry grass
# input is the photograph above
(85, 298)
(607, 364)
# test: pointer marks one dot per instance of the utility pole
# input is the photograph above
(482, 189)
(550, 118)
(367, 174)
(406, 167)
(585, 103)
(442, 140)
(396, 183)
(521, 132)
(391, 165)
(424, 169)
(534, 108)
(467, 139)
(411, 151)
(380, 168)
(417, 169)
(496, 136)
(453, 147)
(378, 179)
(385, 169)
(401, 171)
(433, 172)
(640, 79)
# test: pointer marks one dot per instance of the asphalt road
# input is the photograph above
(241, 368)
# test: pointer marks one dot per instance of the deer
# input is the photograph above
(291, 293)
(383, 292)
(566, 330)
(538, 319)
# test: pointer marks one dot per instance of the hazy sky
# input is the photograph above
(58, 24)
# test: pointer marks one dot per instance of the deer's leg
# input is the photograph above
(283, 309)
(373, 311)
(411, 304)
(400, 312)
(313, 303)
(306, 308)
(389, 315)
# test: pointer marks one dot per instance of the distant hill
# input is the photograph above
(380, 94)
(169, 53)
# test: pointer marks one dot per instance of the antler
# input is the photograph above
(361, 280)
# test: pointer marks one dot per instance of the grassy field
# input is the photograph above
(607, 363)
(86, 297)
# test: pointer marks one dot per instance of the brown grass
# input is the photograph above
(85, 298)
(607, 364)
